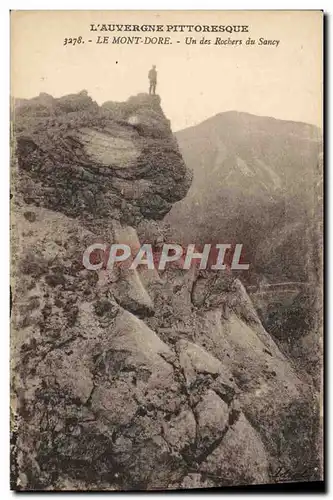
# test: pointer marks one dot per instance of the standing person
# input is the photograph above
(152, 75)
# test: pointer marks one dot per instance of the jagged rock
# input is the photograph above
(116, 169)
(106, 395)
(211, 289)
(131, 294)
(180, 431)
(212, 417)
(240, 458)
(196, 360)
(195, 480)
(267, 382)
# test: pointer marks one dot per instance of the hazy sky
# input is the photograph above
(194, 81)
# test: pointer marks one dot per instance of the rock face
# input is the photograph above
(258, 180)
(133, 380)
(92, 162)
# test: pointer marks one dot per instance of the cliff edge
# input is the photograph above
(133, 380)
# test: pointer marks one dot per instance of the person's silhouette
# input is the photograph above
(152, 75)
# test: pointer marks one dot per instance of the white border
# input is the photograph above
(326, 5)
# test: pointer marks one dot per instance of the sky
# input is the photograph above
(195, 81)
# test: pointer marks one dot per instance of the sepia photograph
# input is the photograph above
(166, 233)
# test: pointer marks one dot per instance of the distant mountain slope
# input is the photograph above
(253, 177)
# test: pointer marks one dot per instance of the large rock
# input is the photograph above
(131, 379)
(101, 399)
(91, 162)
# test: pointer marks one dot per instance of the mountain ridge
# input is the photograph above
(239, 114)
(263, 169)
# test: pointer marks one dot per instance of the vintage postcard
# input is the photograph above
(166, 249)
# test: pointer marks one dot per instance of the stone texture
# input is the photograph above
(131, 380)
(240, 458)
(89, 162)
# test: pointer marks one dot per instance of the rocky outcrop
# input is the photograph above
(91, 162)
(132, 379)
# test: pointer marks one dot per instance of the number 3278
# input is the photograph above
(73, 41)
